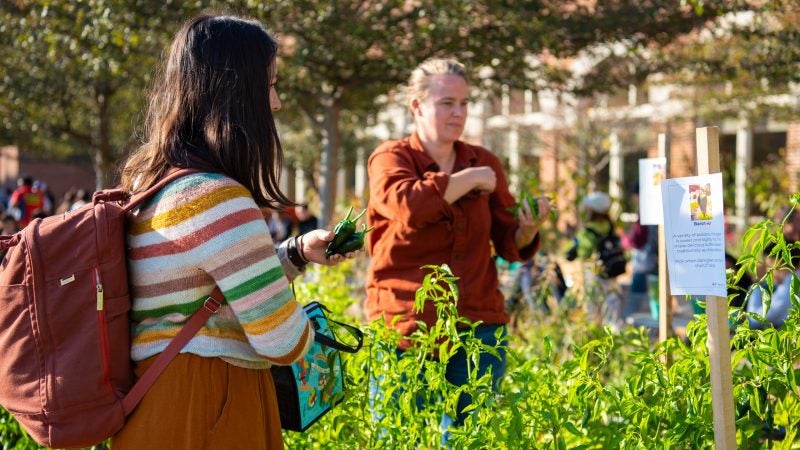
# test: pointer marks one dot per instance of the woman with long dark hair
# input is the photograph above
(212, 111)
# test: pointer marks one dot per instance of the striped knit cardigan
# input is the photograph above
(197, 232)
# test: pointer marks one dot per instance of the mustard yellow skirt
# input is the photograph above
(204, 403)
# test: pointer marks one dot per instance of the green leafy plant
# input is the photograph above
(573, 384)
(569, 383)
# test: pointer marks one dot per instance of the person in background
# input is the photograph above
(25, 202)
(780, 300)
(533, 282)
(48, 204)
(5, 196)
(66, 202)
(212, 110)
(305, 220)
(509, 284)
(434, 199)
(643, 244)
(280, 226)
(604, 302)
(10, 225)
(546, 271)
(82, 197)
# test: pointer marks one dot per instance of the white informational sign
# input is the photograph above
(651, 172)
(695, 234)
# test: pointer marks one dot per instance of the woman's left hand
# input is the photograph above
(528, 224)
(314, 243)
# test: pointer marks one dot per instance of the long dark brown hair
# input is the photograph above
(210, 109)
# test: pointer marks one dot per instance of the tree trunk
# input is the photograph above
(330, 164)
(103, 167)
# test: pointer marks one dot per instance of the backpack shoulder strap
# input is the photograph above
(592, 230)
(601, 236)
(10, 240)
(171, 175)
(192, 326)
(611, 235)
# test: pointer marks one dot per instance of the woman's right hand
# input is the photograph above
(484, 178)
(314, 243)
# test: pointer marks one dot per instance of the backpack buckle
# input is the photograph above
(212, 305)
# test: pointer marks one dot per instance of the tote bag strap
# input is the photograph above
(331, 341)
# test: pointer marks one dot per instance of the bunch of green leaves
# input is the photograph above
(414, 393)
(533, 203)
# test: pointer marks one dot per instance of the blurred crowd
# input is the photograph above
(32, 199)
(631, 295)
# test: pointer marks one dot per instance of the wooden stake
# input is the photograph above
(664, 297)
(719, 340)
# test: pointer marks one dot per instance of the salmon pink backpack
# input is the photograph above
(65, 371)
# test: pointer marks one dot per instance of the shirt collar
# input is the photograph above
(465, 154)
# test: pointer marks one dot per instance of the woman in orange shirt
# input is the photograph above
(435, 199)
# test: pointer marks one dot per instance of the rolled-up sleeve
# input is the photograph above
(399, 192)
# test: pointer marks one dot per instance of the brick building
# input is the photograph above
(58, 175)
(625, 128)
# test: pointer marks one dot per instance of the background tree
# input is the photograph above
(340, 56)
(747, 66)
(741, 64)
(74, 74)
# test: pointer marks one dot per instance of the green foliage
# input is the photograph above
(741, 65)
(767, 184)
(74, 73)
(533, 203)
(569, 383)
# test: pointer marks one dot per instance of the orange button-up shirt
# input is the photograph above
(415, 226)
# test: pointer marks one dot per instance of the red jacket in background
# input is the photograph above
(28, 201)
